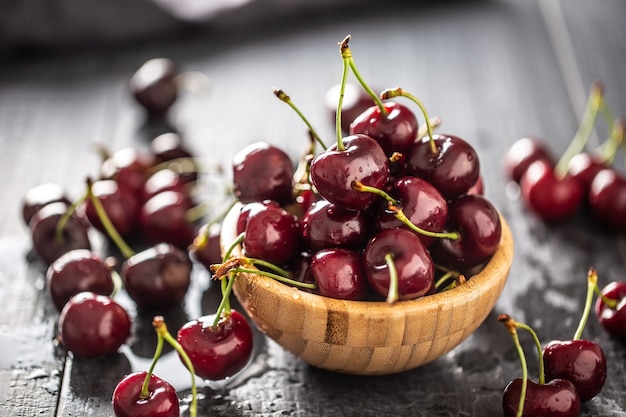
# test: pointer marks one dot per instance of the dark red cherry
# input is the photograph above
(556, 398)
(478, 224)
(613, 317)
(154, 86)
(584, 167)
(129, 166)
(41, 195)
(157, 277)
(421, 203)
(47, 243)
(217, 352)
(334, 171)
(170, 148)
(478, 187)
(395, 132)
(325, 225)
(164, 218)
(263, 172)
(355, 101)
(521, 154)
(272, 234)
(339, 273)
(580, 361)
(209, 253)
(162, 400)
(250, 208)
(93, 325)
(414, 266)
(120, 204)
(550, 197)
(453, 169)
(607, 199)
(166, 180)
(77, 271)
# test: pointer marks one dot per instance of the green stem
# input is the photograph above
(443, 279)
(232, 246)
(157, 354)
(592, 283)
(616, 140)
(611, 303)
(594, 103)
(343, 49)
(268, 265)
(224, 306)
(392, 294)
(512, 328)
(395, 92)
(285, 98)
(542, 373)
(161, 329)
(277, 277)
(66, 217)
(127, 252)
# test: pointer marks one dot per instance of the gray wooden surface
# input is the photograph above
(492, 70)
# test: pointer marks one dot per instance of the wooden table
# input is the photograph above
(494, 71)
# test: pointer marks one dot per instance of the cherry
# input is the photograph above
(120, 204)
(130, 167)
(166, 180)
(610, 309)
(479, 230)
(453, 168)
(217, 351)
(607, 199)
(154, 86)
(77, 271)
(164, 218)
(206, 248)
(358, 158)
(339, 273)
(326, 225)
(272, 234)
(478, 188)
(249, 209)
(584, 167)
(162, 399)
(421, 203)
(170, 151)
(551, 197)
(52, 239)
(262, 172)
(522, 153)
(157, 277)
(401, 252)
(395, 130)
(93, 325)
(355, 101)
(556, 398)
(41, 195)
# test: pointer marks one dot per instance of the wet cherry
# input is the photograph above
(325, 225)
(607, 199)
(127, 400)
(339, 273)
(556, 398)
(521, 154)
(120, 204)
(610, 309)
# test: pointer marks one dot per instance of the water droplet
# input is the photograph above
(295, 295)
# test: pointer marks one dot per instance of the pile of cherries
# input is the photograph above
(557, 190)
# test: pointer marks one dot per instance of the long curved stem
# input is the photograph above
(510, 324)
(592, 283)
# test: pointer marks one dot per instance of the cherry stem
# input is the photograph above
(445, 278)
(578, 143)
(614, 142)
(155, 358)
(277, 277)
(224, 307)
(233, 245)
(346, 54)
(66, 217)
(161, 329)
(399, 213)
(611, 303)
(396, 92)
(392, 294)
(533, 334)
(285, 98)
(106, 222)
(592, 283)
(459, 279)
(510, 324)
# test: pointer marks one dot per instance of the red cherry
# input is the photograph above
(584, 167)
(210, 252)
(339, 273)
(93, 325)
(550, 197)
(613, 317)
(164, 218)
(557, 398)
(162, 400)
(154, 86)
(120, 204)
(334, 171)
(580, 361)
(129, 166)
(607, 199)
(521, 154)
(217, 352)
(41, 195)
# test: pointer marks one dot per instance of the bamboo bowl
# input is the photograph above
(367, 337)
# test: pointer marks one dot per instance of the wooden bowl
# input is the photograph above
(367, 337)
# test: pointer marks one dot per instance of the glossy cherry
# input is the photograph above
(549, 196)
(127, 400)
(610, 309)
(412, 261)
(40, 195)
(556, 398)
(164, 218)
(448, 162)
(325, 225)
(77, 271)
(157, 277)
(217, 352)
(521, 154)
(395, 131)
(93, 325)
(206, 248)
(479, 231)
(120, 204)
(334, 170)
(167, 180)
(262, 172)
(339, 273)
(607, 199)
(584, 167)
(154, 86)
(129, 166)
(47, 243)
